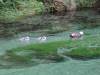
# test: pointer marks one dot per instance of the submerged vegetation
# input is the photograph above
(38, 16)
(86, 48)
(85, 53)
(46, 51)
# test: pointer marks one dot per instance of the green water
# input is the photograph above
(68, 67)
(73, 67)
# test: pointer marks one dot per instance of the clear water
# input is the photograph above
(63, 68)
(68, 67)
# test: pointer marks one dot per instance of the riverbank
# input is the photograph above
(15, 10)
(12, 11)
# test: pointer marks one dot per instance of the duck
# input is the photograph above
(76, 35)
(27, 38)
(42, 39)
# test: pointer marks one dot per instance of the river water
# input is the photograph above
(68, 67)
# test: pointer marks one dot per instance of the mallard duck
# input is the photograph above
(76, 35)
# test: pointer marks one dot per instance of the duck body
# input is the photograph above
(42, 39)
(27, 38)
(76, 35)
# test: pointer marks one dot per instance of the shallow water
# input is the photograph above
(68, 67)
(63, 68)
